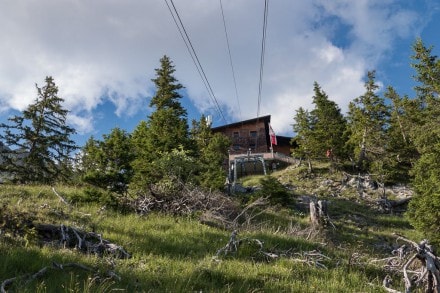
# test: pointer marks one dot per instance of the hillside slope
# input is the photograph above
(272, 249)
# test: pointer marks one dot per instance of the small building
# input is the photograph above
(252, 150)
(253, 135)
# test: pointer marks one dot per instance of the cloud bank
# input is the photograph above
(107, 50)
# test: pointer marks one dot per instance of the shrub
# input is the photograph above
(277, 193)
(97, 195)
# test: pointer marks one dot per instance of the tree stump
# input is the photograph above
(318, 213)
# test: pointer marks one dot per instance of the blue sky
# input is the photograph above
(102, 54)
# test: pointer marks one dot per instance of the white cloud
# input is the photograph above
(108, 50)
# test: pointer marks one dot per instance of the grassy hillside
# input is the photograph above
(276, 251)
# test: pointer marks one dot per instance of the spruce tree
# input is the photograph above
(367, 122)
(400, 150)
(427, 67)
(107, 163)
(304, 138)
(424, 208)
(165, 130)
(168, 127)
(38, 140)
(328, 127)
(212, 153)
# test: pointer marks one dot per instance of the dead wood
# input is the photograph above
(30, 277)
(255, 248)
(418, 264)
(250, 211)
(390, 206)
(231, 246)
(186, 200)
(86, 242)
(61, 198)
(319, 214)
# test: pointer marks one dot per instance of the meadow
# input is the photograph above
(277, 251)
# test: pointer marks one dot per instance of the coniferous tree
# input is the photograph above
(168, 127)
(212, 152)
(142, 157)
(304, 139)
(328, 127)
(367, 122)
(89, 157)
(38, 140)
(423, 210)
(400, 152)
(107, 163)
(165, 130)
(427, 67)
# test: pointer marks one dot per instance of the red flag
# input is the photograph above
(273, 137)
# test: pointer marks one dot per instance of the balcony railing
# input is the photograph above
(267, 156)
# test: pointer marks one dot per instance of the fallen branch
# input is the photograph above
(386, 283)
(60, 197)
(261, 201)
(186, 200)
(408, 283)
(311, 258)
(231, 246)
(86, 242)
(41, 273)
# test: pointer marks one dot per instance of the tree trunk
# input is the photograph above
(309, 163)
(362, 151)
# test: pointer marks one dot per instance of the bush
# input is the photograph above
(97, 195)
(277, 193)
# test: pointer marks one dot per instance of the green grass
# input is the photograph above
(178, 254)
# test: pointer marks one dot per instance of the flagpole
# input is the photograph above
(270, 138)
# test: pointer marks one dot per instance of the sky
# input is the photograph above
(103, 54)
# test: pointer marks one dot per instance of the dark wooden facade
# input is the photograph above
(253, 136)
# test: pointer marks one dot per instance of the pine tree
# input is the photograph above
(367, 122)
(39, 139)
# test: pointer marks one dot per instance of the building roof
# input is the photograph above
(253, 120)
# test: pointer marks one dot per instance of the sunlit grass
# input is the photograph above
(179, 254)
